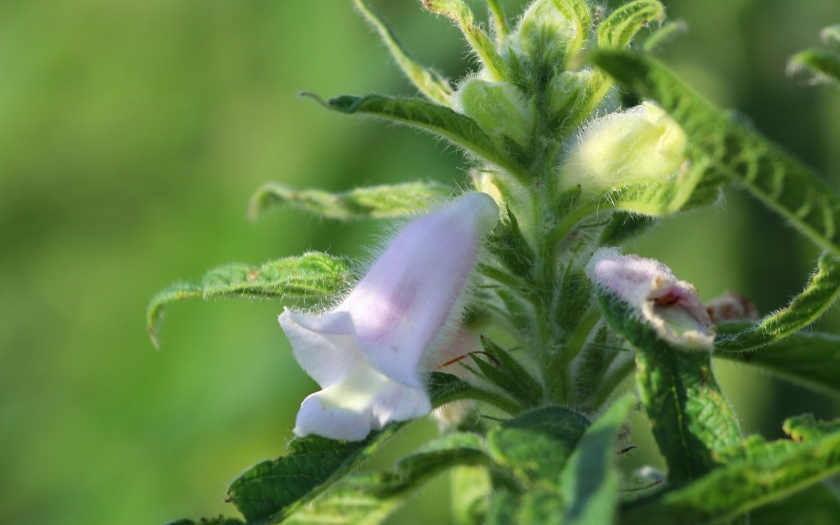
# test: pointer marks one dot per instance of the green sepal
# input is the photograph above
(624, 226)
(618, 30)
(536, 445)
(430, 83)
(812, 359)
(506, 373)
(461, 130)
(736, 488)
(824, 65)
(367, 499)
(483, 46)
(511, 247)
(773, 176)
(270, 491)
(820, 293)
(306, 277)
(377, 202)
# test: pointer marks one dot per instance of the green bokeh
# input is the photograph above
(131, 136)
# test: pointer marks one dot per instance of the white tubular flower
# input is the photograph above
(651, 292)
(368, 353)
(643, 142)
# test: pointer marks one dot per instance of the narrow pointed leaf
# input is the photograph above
(581, 17)
(618, 30)
(509, 375)
(812, 359)
(461, 130)
(427, 81)
(376, 202)
(483, 46)
(624, 226)
(309, 276)
(536, 445)
(821, 292)
(590, 480)
(739, 487)
(500, 25)
(446, 388)
(824, 65)
(773, 176)
(664, 34)
(362, 499)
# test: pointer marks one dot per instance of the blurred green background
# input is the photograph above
(132, 135)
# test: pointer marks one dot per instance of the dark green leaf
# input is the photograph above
(373, 202)
(537, 444)
(773, 176)
(739, 487)
(816, 505)
(427, 81)
(804, 309)
(368, 499)
(505, 372)
(618, 30)
(809, 358)
(824, 65)
(461, 130)
(590, 480)
(511, 247)
(446, 388)
(624, 226)
(309, 276)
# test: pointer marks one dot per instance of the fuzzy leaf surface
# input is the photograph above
(618, 30)
(824, 65)
(773, 176)
(739, 487)
(820, 293)
(309, 276)
(376, 202)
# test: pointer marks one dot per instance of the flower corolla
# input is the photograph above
(650, 292)
(369, 352)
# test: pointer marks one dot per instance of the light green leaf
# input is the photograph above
(590, 480)
(773, 176)
(618, 30)
(500, 25)
(820, 293)
(812, 359)
(309, 276)
(663, 34)
(816, 505)
(431, 84)
(831, 35)
(824, 65)
(270, 491)
(581, 17)
(806, 428)
(536, 445)
(461, 130)
(376, 202)
(483, 46)
(369, 499)
(739, 487)
(471, 488)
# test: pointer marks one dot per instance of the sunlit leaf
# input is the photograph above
(371, 202)
(309, 276)
(618, 30)
(823, 65)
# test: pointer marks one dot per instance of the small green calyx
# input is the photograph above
(643, 143)
(499, 108)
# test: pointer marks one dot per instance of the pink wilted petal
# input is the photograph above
(368, 352)
(652, 292)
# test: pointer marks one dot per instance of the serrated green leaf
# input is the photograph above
(431, 84)
(442, 121)
(506, 373)
(536, 445)
(483, 46)
(806, 428)
(618, 30)
(309, 276)
(369, 499)
(739, 487)
(820, 293)
(812, 359)
(816, 505)
(773, 176)
(377, 202)
(824, 65)
(590, 480)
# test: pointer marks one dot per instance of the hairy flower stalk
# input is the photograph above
(651, 293)
(368, 353)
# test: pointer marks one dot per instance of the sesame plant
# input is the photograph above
(504, 307)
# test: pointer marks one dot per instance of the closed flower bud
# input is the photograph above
(643, 143)
(368, 353)
(499, 108)
(650, 294)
